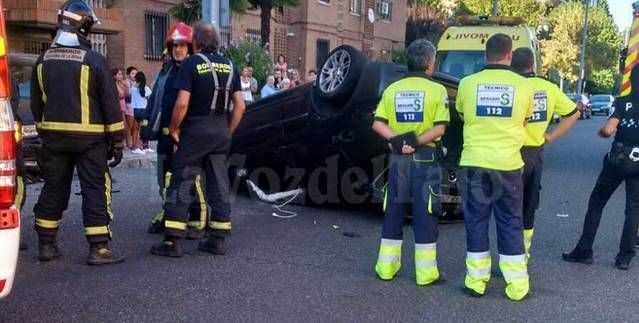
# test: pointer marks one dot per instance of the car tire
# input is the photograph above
(339, 74)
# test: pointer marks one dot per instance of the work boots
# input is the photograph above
(579, 256)
(48, 250)
(213, 244)
(623, 262)
(168, 248)
(100, 254)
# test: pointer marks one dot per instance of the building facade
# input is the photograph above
(133, 32)
(307, 33)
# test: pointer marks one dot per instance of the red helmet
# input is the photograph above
(181, 33)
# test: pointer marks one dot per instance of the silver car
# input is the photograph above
(602, 103)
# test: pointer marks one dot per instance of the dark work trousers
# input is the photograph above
(57, 163)
(198, 211)
(534, 164)
(609, 179)
(203, 148)
(486, 191)
(413, 185)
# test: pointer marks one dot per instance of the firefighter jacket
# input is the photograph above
(73, 94)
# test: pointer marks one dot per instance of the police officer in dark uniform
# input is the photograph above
(75, 106)
(620, 164)
(201, 126)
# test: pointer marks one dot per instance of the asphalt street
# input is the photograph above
(305, 269)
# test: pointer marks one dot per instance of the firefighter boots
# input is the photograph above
(100, 254)
(213, 244)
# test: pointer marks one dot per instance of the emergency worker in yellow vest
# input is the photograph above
(412, 115)
(548, 99)
(495, 104)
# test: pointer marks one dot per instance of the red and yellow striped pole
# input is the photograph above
(633, 51)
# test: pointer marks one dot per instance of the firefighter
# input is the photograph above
(548, 99)
(201, 126)
(163, 97)
(620, 164)
(494, 104)
(412, 115)
(75, 106)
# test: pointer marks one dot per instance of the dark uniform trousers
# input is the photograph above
(413, 185)
(534, 164)
(57, 164)
(486, 191)
(203, 148)
(609, 180)
(198, 211)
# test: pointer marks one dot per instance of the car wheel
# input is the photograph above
(339, 73)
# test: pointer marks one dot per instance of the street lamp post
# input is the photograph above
(211, 12)
(495, 7)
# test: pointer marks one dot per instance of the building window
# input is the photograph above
(324, 1)
(385, 9)
(356, 6)
(36, 46)
(253, 35)
(155, 28)
(323, 47)
(99, 43)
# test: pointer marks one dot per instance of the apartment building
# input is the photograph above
(130, 33)
(307, 33)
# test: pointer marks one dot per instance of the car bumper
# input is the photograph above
(9, 246)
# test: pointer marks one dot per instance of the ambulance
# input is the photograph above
(460, 51)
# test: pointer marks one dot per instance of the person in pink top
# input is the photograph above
(123, 93)
(281, 66)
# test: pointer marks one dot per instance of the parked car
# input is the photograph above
(9, 214)
(319, 135)
(583, 104)
(21, 66)
(602, 103)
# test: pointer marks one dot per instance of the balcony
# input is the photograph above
(44, 14)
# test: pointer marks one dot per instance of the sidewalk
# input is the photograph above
(148, 160)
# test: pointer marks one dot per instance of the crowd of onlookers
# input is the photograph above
(282, 78)
(133, 94)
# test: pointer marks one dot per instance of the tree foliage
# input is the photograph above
(249, 53)
(190, 11)
(532, 10)
(562, 50)
(425, 20)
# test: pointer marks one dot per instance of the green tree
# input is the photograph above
(532, 10)
(248, 53)
(266, 8)
(562, 50)
(425, 20)
(190, 11)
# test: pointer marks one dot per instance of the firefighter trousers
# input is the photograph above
(198, 211)
(90, 159)
(180, 195)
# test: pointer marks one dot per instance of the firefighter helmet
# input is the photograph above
(181, 33)
(75, 19)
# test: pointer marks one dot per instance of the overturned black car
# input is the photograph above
(319, 137)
